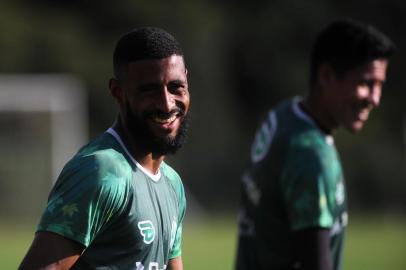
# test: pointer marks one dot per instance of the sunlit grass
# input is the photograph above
(14, 242)
(376, 242)
(210, 244)
(373, 242)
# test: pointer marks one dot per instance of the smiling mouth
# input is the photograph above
(363, 114)
(164, 120)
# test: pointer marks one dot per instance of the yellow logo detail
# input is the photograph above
(70, 209)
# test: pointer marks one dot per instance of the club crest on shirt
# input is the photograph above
(147, 231)
(263, 138)
(173, 233)
(340, 193)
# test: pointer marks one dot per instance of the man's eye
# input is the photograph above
(146, 89)
(176, 87)
(367, 83)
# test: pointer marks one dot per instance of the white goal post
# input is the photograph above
(60, 95)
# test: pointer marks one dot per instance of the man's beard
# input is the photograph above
(142, 134)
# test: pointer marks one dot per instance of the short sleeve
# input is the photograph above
(177, 244)
(304, 185)
(86, 196)
(176, 183)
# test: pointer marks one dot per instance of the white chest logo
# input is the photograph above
(263, 138)
(147, 230)
(340, 194)
(173, 233)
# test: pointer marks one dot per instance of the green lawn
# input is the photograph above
(14, 242)
(210, 245)
(376, 243)
(372, 243)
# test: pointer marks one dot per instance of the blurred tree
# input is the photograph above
(243, 57)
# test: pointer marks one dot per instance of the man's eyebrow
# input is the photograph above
(148, 85)
(178, 81)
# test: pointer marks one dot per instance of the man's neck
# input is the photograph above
(145, 158)
(318, 112)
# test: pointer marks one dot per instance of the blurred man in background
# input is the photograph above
(294, 209)
(116, 203)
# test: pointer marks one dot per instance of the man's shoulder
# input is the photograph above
(310, 148)
(297, 134)
(172, 177)
(296, 125)
(310, 145)
(287, 117)
(174, 181)
(170, 173)
(101, 157)
(276, 131)
(286, 123)
(104, 141)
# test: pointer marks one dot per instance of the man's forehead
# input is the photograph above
(374, 69)
(168, 62)
(153, 70)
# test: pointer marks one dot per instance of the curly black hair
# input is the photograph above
(346, 44)
(144, 43)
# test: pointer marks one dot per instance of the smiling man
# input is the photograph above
(294, 211)
(116, 203)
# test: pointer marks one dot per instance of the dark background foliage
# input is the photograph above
(243, 57)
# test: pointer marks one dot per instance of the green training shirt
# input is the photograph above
(294, 182)
(126, 217)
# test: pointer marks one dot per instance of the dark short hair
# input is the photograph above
(144, 43)
(346, 44)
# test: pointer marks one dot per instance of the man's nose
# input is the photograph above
(374, 96)
(166, 101)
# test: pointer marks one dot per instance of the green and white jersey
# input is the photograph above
(294, 182)
(126, 217)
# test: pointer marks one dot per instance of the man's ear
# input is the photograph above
(326, 76)
(116, 90)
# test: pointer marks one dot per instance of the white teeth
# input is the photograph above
(363, 115)
(164, 120)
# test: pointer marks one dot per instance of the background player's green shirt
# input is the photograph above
(126, 217)
(295, 182)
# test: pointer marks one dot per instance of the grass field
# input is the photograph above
(372, 243)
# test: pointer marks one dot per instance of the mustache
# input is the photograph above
(365, 105)
(161, 114)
